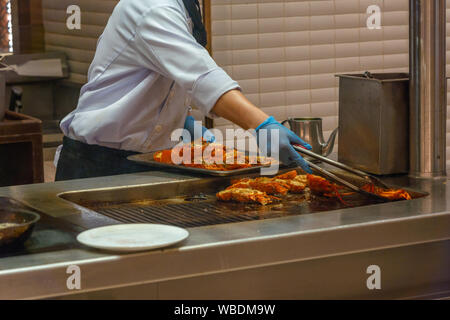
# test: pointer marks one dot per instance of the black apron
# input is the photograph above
(199, 31)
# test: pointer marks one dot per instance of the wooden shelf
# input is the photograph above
(21, 153)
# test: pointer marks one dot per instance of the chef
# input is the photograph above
(150, 67)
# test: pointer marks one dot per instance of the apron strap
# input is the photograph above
(199, 32)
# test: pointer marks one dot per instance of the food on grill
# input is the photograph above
(265, 186)
(322, 186)
(390, 194)
(297, 183)
(243, 195)
(279, 185)
(198, 158)
(261, 190)
(288, 175)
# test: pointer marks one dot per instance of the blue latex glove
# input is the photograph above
(287, 153)
(189, 126)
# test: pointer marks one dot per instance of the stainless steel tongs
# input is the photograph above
(367, 177)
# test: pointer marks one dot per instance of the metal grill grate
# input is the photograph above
(186, 215)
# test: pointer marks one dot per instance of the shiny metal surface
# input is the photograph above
(336, 277)
(221, 249)
(367, 177)
(428, 94)
(373, 122)
(310, 130)
(348, 184)
(18, 223)
(194, 203)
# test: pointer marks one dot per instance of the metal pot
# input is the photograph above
(310, 131)
(16, 226)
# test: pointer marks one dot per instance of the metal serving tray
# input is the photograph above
(147, 159)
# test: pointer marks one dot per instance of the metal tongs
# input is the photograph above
(367, 177)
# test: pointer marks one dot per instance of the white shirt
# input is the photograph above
(147, 70)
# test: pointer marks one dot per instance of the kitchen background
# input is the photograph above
(284, 53)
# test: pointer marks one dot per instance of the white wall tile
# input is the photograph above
(244, 11)
(298, 111)
(285, 53)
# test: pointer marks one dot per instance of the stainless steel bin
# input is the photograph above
(374, 122)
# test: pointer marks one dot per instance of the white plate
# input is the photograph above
(132, 237)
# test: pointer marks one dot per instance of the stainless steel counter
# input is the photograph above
(207, 263)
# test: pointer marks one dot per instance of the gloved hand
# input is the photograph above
(189, 125)
(286, 152)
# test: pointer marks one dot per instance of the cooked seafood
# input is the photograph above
(265, 186)
(198, 158)
(297, 183)
(321, 185)
(288, 175)
(390, 194)
(326, 188)
(260, 190)
(243, 195)
(279, 185)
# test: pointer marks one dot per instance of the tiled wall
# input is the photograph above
(285, 53)
(79, 45)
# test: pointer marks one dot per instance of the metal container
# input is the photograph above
(374, 122)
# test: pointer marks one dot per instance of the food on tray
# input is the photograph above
(246, 196)
(198, 158)
(390, 194)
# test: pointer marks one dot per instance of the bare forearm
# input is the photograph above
(234, 106)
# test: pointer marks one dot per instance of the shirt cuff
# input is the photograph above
(210, 87)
